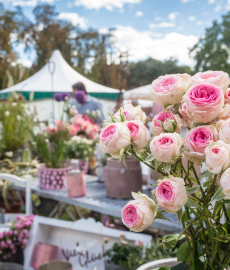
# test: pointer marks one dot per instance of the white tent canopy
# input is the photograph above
(142, 92)
(64, 76)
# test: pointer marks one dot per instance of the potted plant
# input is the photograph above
(50, 148)
(200, 202)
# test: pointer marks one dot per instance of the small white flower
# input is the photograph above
(14, 104)
(18, 117)
(98, 112)
(87, 111)
(93, 113)
(74, 107)
(7, 113)
(69, 105)
(66, 98)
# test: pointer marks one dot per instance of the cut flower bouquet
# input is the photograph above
(202, 203)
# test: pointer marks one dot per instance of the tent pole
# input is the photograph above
(51, 68)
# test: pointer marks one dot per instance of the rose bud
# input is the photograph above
(171, 194)
(225, 183)
(170, 122)
(140, 135)
(186, 121)
(139, 214)
(114, 138)
(166, 147)
(205, 102)
(223, 127)
(217, 157)
(169, 89)
(196, 140)
(131, 113)
(219, 78)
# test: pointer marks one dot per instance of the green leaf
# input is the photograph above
(191, 203)
(179, 214)
(183, 252)
(167, 167)
(192, 190)
(207, 183)
(168, 241)
(180, 266)
(160, 216)
(219, 195)
(149, 158)
(206, 174)
(156, 163)
(198, 265)
(164, 268)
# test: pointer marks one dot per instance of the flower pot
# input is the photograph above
(120, 181)
(75, 183)
(159, 263)
(113, 266)
(57, 265)
(14, 207)
(83, 166)
(17, 258)
(52, 179)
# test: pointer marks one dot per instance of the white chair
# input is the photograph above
(22, 182)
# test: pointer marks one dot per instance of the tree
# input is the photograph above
(212, 50)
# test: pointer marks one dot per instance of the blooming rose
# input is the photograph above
(171, 194)
(205, 102)
(225, 182)
(114, 138)
(223, 127)
(166, 119)
(131, 113)
(166, 147)
(227, 96)
(219, 78)
(169, 89)
(140, 135)
(217, 157)
(139, 214)
(186, 121)
(197, 139)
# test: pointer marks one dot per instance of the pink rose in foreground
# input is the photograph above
(131, 113)
(225, 182)
(171, 194)
(205, 102)
(140, 135)
(197, 139)
(166, 147)
(166, 119)
(186, 121)
(219, 78)
(139, 214)
(223, 127)
(114, 138)
(217, 157)
(169, 89)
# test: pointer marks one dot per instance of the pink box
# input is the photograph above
(44, 253)
(75, 183)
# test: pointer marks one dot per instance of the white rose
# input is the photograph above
(223, 127)
(225, 182)
(131, 113)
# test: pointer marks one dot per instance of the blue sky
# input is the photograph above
(156, 28)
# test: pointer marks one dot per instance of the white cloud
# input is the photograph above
(191, 18)
(217, 8)
(161, 25)
(185, 1)
(30, 3)
(108, 4)
(199, 23)
(211, 1)
(142, 45)
(139, 13)
(172, 15)
(25, 62)
(157, 18)
(74, 18)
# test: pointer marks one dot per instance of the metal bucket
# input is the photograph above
(10, 266)
(56, 265)
(2, 215)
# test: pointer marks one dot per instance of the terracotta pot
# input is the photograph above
(75, 183)
(52, 179)
(120, 181)
(159, 263)
(83, 165)
(14, 207)
(56, 265)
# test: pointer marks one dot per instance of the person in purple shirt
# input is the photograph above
(85, 103)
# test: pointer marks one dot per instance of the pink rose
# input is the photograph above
(169, 89)
(171, 194)
(166, 147)
(197, 139)
(166, 118)
(186, 121)
(219, 78)
(205, 102)
(73, 112)
(58, 123)
(138, 243)
(227, 97)
(140, 135)
(114, 138)
(131, 113)
(73, 131)
(139, 214)
(225, 182)
(217, 157)
(223, 127)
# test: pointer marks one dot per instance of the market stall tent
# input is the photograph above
(64, 76)
(142, 92)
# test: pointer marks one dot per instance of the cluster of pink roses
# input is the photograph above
(201, 103)
(16, 237)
